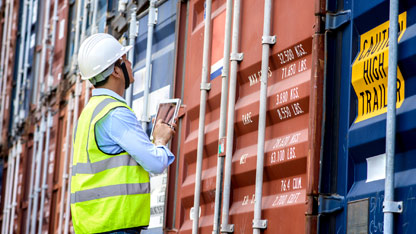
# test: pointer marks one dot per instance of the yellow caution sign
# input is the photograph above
(370, 69)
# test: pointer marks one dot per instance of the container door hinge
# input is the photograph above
(229, 228)
(330, 204)
(260, 223)
(392, 207)
(270, 40)
(335, 20)
(206, 86)
(236, 57)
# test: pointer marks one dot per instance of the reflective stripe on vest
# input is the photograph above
(92, 168)
(110, 191)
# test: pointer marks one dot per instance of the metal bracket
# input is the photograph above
(19, 148)
(260, 223)
(156, 15)
(236, 57)
(42, 126)
(336, 20)
(228, 228)
(392, 207)
(271, 40)
(49, 121)
(330, 204)
(206, 86)
(153, 15)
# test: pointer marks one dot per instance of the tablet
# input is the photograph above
(167, 111)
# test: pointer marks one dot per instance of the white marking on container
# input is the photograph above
(376, 168)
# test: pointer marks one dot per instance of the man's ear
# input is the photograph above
(118, 72)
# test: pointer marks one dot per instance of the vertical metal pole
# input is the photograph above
(76, 40)
(16, 181)
(3, 48)
(41, 73)
(225, 227)
(147, 82)
(6, 213)
(52, 45)
(87, 4)
(3, 226)
(32, 175)
(391, 116)
(20, 68)
(205, 86)
(266, 41)
(132, 38)
(223, 117)
(180, 124)
(64, 173)
(87, 92)
(6, 64)
(84, 19)
(35, 83)
(44, 187)
(94, 28)
(37, 178)
(26, 63)
(75, 120)
(6, 195)
(86, 12)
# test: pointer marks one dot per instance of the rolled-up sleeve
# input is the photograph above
(126, 131)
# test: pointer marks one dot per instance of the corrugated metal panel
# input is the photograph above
(286, 175)
(32, 120)
(290, 118)
(7, 75)
(162, 82)
(162, 61)
(355, 157)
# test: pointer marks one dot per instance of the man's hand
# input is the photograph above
(163, 132)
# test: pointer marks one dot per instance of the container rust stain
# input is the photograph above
(288, 122)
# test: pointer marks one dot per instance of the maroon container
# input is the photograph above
(291, 160)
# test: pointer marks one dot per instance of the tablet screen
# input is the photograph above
(166, 112)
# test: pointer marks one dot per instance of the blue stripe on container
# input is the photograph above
(216, 73)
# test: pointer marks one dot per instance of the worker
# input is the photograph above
(110, 189)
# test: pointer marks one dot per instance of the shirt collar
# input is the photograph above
(108, 92)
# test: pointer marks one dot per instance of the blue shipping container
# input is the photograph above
(353, 163)
(162, 82)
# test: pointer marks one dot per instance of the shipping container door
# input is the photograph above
(161, 72)
(354, 153)
(288, 115)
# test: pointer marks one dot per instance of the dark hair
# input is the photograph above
(101, 83)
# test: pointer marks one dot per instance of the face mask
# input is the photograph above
(126, 75)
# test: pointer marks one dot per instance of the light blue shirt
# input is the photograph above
(120, 130)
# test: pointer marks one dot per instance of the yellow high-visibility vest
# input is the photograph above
(108, 192)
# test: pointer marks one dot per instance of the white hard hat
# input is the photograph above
(97, 53)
